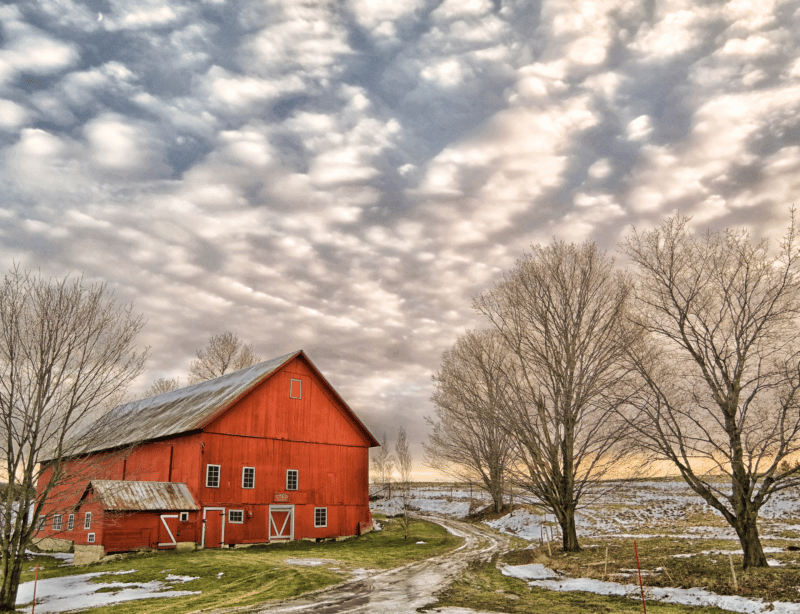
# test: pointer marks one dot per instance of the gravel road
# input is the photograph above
(401, 590)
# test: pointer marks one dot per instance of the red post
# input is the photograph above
(35, 580)
(639, 569)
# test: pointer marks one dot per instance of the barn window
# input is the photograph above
(90, 538)
(248, 477)
(70, 522)
(40, 526)
(296, 389)
(87, 520)
(291, 479)
(236, 516)
(212, 476)
(320, 516)
(57, 522)
(184, 516)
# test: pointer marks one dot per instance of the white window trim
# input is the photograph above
(208, 475)
(320, 526)
(90, 538)
(184, 517)
(70, 522)
(299, 387)
(230, 516)
(244, 471)
(87, 520)
(58, 522)
(296, 479)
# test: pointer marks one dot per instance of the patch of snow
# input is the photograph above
(308, 562)
(421, 542)
(181, 579)
(67, 593)
(534, 571)
(219, 575)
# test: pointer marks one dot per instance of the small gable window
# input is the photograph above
(296, 389)
(70, 522)
(87, 520)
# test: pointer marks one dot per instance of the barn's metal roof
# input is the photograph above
(123, 495)
(179, 411)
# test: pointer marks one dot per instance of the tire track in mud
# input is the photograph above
(404, 589)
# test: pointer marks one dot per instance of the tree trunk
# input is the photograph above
(568, 533)
(747, 530)
(10, 586)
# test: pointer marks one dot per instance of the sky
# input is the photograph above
(344, 177)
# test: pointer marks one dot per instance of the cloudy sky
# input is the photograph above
(343, 177)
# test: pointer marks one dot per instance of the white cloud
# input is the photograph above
(124, 147)
(12, 115)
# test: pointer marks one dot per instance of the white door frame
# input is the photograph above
(164, 517)
(289, 519)
(215, 509)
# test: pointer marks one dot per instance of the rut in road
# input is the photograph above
(401, 590)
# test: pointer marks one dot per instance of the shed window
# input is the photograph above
(296, 389)
(184, 516)
(70, 522)
(320, 516)
(248, 477)
(212, 476)
(291, 479)
(57, 522)
(90, 538)
(87, 520)
(40, 525)
(236, 516)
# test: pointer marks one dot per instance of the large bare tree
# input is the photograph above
(66, 353)
(468, 440)
(223, 354)
(560, 312)
(720, 360)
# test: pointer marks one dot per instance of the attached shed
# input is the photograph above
(267, 453)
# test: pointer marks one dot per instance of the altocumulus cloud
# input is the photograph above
(344, 177)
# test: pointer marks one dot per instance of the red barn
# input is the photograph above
(267, 453)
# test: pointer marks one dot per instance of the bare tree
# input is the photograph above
(468, 440)
(65, 352)
(162, 385)
(721, 365)
(404, 469)
(224, 353)
(383, 464)
(561, 314)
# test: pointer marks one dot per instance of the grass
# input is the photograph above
(254, 575)
(483, 587)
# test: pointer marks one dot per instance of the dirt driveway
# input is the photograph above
(401, 590)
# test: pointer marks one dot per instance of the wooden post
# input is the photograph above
(639, 569)
(733, 574)
(605, 567)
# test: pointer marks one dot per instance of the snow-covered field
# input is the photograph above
(629, 508)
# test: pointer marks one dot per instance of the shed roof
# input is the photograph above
(191, 408)
(124, 495)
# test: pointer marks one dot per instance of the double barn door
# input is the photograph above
(280, 525)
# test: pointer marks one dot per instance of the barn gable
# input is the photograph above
(193, 408)
(296, 403)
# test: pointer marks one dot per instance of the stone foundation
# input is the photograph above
(53, 544)
(185, 546)
(88, 554)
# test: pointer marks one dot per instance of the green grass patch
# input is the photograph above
(254, 575)
(483, 587)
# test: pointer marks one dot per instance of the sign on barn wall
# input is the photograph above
(281, 497)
